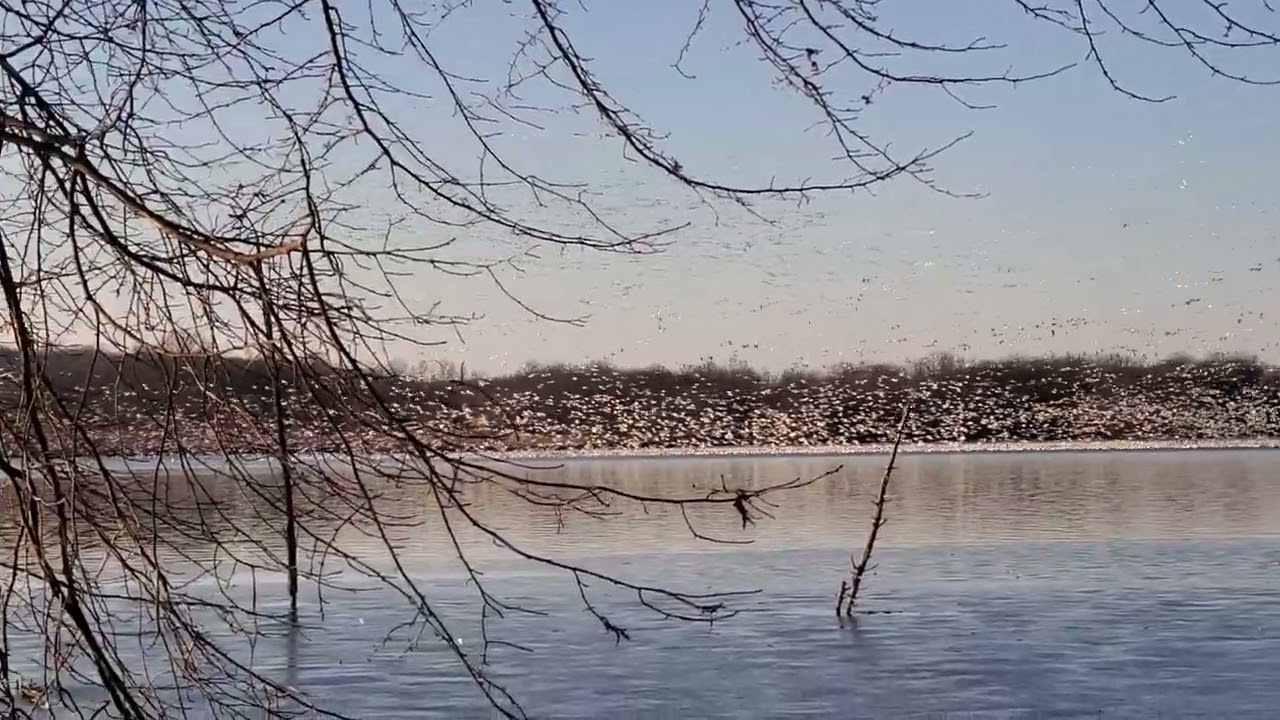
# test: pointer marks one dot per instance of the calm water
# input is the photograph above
(1135, 584)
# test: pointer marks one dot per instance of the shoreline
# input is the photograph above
(523, 457)
(876, 449)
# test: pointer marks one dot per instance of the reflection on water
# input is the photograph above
(1063, 584)
(936, 499)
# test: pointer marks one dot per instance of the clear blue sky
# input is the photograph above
(1108, 224)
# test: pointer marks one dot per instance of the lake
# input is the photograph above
(1007, 585)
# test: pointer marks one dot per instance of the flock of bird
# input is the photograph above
(599, 407)
(590, 408)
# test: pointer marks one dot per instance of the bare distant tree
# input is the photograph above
(256, 175)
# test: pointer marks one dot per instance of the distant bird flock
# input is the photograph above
(140, 406)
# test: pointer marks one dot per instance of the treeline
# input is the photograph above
(142, 403)
(154, 401)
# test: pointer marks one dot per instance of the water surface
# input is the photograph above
(1134, 584)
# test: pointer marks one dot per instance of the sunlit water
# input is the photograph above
(1124, 584)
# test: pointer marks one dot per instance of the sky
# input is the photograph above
(1103, 224)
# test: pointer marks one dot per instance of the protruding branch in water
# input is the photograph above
(849, 590)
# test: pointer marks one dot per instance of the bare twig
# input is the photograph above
(878, 520)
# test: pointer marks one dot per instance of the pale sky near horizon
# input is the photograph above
(1107, 224)
(1135, 227)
